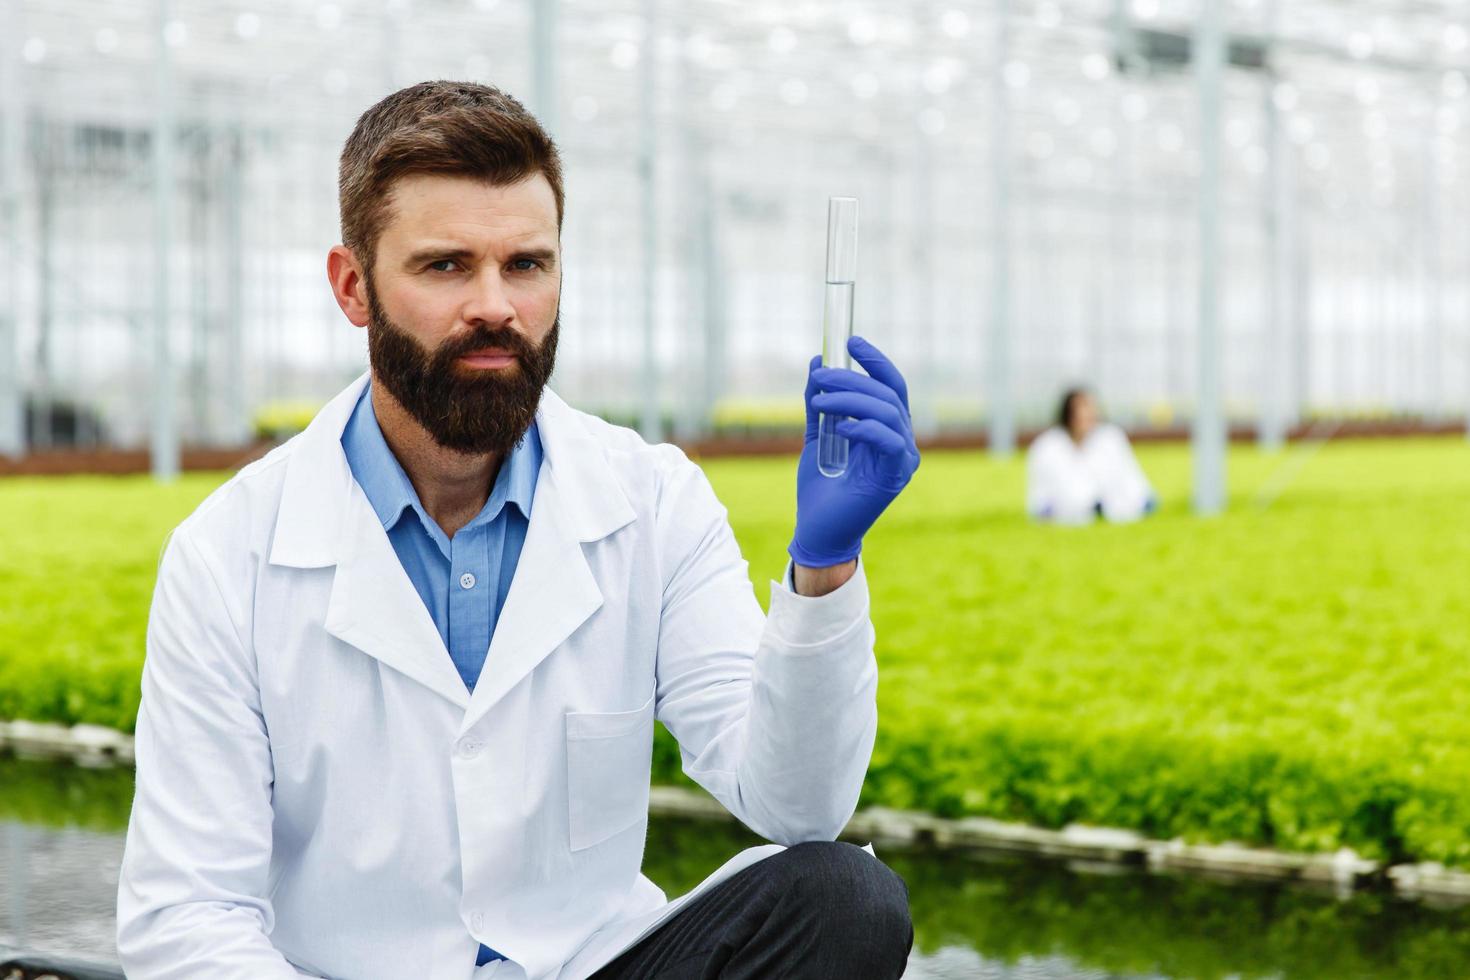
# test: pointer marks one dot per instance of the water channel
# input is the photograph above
(975, 916)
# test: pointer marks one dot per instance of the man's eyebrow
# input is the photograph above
(425, 256)
(436, 254)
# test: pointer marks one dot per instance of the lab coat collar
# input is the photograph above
(310, 524)
(311, 515)
(325, 520)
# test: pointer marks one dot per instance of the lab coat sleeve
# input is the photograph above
(1127, 492)
(775, 716)
(192, 890)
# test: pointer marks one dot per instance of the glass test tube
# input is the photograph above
(842, 215)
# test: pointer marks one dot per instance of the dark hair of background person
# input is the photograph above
(1069, 402)
(456, 129)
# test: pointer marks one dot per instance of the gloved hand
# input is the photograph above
(833, 513)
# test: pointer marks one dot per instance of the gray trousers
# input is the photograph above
(813, 912)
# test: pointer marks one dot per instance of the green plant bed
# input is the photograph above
(1295, 676)
(77, 562)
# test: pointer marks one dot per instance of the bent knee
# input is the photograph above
(838, 873)
(857, 905)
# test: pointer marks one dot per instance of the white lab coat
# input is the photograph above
(1065, 482)
(318, 793)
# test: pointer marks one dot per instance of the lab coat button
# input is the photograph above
(477, 921)
(467, 581)
(470, 747)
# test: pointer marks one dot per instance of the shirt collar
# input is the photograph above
(390, 492)
(516, 482)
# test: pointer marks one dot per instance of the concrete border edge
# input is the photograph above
(1344, 871)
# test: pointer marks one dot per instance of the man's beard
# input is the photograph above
(467, 411)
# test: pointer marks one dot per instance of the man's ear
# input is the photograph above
(349, 285)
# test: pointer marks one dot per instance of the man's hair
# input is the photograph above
(450, 128)
(1069, 405)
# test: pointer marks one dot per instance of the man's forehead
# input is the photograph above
(439, 204)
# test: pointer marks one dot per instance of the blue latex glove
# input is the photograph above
(833, 513)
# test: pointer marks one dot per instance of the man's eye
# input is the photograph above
(526, 265)
(442, 262)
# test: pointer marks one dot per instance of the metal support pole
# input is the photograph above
(1209, 414)
(885, 246)
(1002, 408)
(164, 445)
(43, 395)
(713, 296)
(691, 404)
(1286, 309)
(1280, 218)
(1303, 315)
(1432, 273)
(924, 232)
(236, 427)
(1121, 284)
(543, 63)
(12, 132)
(200, 190)
(649, 423)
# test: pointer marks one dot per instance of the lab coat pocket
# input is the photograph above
(608, 760)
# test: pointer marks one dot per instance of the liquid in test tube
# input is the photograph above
(842, 215)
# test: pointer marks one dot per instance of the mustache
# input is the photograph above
(481, 337)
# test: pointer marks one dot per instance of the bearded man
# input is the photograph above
(402, 673)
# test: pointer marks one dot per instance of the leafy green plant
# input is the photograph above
(282, 420)
(1291, 676)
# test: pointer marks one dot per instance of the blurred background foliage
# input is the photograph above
(1294, 675)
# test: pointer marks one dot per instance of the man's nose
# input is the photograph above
(489, 302)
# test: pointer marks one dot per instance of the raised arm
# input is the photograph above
(777, 718)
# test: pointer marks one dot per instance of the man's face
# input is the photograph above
(463, 301)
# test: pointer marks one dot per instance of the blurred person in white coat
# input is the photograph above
(1083, 468)
(402, 674)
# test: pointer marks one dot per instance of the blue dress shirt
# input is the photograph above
(462, 580)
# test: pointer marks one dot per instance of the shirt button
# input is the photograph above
(466, 581)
